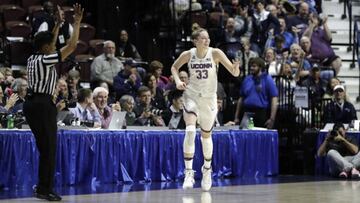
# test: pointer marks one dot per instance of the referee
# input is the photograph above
(39, 108)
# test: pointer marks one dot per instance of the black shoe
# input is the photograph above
(50, 196)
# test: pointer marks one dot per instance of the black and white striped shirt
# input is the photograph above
(41, 72)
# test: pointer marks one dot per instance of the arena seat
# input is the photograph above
(96, 46)
(87, 32)
(18, 29)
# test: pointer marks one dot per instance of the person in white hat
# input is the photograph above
(339, 110)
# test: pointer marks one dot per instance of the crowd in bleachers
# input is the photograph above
(292, 38)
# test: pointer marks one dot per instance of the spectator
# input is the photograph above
(157, 94)
(339, 110)
(258, 94)
(316, 42)
(19, 87)
(156, 68)
(300, 66)
(342, 153)
(100, 96)
(245, 55)
(221, 105)
(46, 22)
(85, 109)
(230, 34)
(243, 21)
(289, 38)
(272, 64)
(316, 85)
(127, 81)
(106, 66)
(146, 114)
(329, 93)
(8, 80)
(301, 20)
(173, 116)
(126, 49)
(127, 104)
(73, 84)
(262, 22)
(62, 95)
(6, 104)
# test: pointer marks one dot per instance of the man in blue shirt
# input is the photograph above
(259, 95)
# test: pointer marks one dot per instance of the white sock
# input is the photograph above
(207, 145)
(188, 163)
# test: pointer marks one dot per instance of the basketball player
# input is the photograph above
(200, 100)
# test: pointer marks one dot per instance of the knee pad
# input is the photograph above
(207, 145)
(189, 141)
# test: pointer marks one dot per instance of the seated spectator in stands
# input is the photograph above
(211, 5)
(127, 104)
(300, 66)
(127, 81)
(7, 103)
(342, 153)
(285, 84)
(19, 87)
(230, 6)
(8, 80)
(85, 109)
(62, 95)
(339, 110)
(156, 68)
(301, 20)
(23, 74)
(157, 94)
(258, 94)
(100, 96)
(111, 96)
(262, 22)
(316, 42)
(289, 38)
(271, 62)
(230, 34)
(127, 49)
(316, 85)
(146, 114)
(106, 66)
(329, 93)
(244, 55)
(221, 105)
(173, 116)
(242, 20)
(46, 22)
(73, 85)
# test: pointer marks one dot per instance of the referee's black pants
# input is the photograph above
(40, 113)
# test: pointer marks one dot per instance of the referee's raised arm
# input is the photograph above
(71, 45)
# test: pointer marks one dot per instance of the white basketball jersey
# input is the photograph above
(203, 74)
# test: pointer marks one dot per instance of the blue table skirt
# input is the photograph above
(321, 165)
(88, 157)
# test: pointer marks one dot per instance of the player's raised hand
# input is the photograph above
(181, 85)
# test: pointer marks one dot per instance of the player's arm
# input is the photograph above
(233, 68)
(180, 61)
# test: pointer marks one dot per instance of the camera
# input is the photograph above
(156, 112)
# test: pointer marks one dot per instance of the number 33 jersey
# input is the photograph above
(203, 74)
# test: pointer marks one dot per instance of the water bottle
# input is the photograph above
(251, 123)
(10, 121)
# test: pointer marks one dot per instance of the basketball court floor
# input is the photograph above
(269, 189)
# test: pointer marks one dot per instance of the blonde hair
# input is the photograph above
(197, 32)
